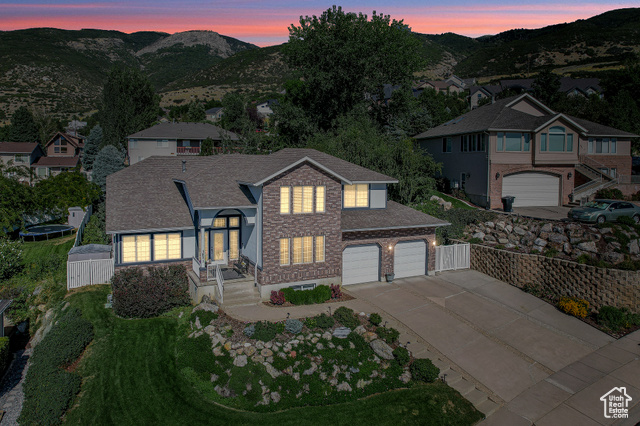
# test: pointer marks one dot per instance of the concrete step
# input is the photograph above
(487, 407)
(476, 397)
(463, 386)
(452, 377)
(443, 366)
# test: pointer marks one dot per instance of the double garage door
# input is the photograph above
(361, 264)
(532, 189)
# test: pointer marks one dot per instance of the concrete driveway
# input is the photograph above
(520, 348)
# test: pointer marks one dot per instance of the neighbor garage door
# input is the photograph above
(410, 259)
(360, 264)
(532, 189)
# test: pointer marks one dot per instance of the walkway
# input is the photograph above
(11, 394)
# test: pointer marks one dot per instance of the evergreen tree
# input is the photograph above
(196, 112)
(129, 104)
(546, 87)
(207, 147)
(23, 126)
(92, 147)
(108, 161)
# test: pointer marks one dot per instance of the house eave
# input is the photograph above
(385, 228)
(225, 207)
(148, 230)
(300, 161)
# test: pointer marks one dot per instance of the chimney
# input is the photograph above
(184, 166)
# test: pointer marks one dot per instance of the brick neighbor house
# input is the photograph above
(296, 217)
(518, 146)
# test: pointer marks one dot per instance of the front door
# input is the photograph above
(225, 241)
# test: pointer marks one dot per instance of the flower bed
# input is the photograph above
(272, 366)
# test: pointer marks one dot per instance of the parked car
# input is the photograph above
(601, 211)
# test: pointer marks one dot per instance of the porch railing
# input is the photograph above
(195, 264)
(188, 150)
(220, 281)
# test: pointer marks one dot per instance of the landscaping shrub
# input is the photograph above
(139, 296)
(277, 297)
(293, 326)
(307, 297)
(48, 388)
(616, 318)
(5, 354)
(205, 317)
(389, 335)
(610, 193)
(424, 370)
(346, 317)
(573, 306)
(10, 258)
(336, 291)
(311, 323)
(375, 319)
(249, 330)
(324, 321)
(265, 331)
(402, 355)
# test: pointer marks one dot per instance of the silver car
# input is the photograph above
(601, 211)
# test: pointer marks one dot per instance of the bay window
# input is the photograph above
(557, 140)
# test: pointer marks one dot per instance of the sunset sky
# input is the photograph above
(265, 22)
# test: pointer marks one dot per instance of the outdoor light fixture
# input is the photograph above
(390, 247)
(468, 175)
(498, 175)
(570, 175)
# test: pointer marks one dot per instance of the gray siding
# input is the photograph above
(148, 148)
(378, 193)
(189, 243)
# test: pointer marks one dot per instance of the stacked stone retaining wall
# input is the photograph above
(599, 286)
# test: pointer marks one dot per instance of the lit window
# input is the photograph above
(218, 246)
(297, 199)
(320, 249)
(284, 200)
(166, 246)
(356, 195)
(307, 249)
(205, 244)
(220, 222)
(234, 244)
(284, 251)
(297, 250)
(136, 248)
(320, 199)
(307, 199)
(234, 222)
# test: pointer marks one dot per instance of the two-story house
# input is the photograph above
(63, 153)
(519, 147)
(297, 216)
(176, 139)
(20, 154)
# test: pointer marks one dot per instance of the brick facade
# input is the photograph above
(599, 286)
(508, 169)
(277, 225)
(389, 238)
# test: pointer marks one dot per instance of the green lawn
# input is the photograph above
(454, 201)
(34, 250)
(130, 377)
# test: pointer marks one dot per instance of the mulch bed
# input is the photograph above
(345, 297)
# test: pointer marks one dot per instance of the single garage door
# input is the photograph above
(532, 189)
(360, 264)
(410, 259)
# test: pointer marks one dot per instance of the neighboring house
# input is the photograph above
(443, 86)
(265, 109)
(518, 146)
(20, 154)
(297, 217)
(74, 126)
(171, 139)
(214, 114)
(64, 152)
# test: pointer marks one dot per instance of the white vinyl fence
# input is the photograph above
(89, 272)
(456, 256)
(85, 220)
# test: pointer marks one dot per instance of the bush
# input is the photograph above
(389, 335)
(375, 319)
(277, 297)
(205, 317)
(336, 291)
(319, 294)
(249, 330)
(616, 318)
(346, 317)
(10, 258)
(48, 388)
(610, 193)
(402, 355)
(293, 326)
(139, 296)
(265, 331)
(310, 323)
(94, 232)
(324, 321)
(5, 354)
(573, 306)
(424, 370)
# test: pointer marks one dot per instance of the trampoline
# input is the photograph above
(41, 232)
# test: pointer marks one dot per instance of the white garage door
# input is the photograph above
(410, 259)
(360, 264)
(532, 189)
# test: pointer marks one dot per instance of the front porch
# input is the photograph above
(229, 285)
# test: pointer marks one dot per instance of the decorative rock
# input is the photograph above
(197, 324)
(490, 238)
(370, 336)
(266, 352)
(271, 370)
(205, 306)
(344, 387)
(557, 238)
(326, 335)
(259, 345)
(310, 370)
(257, 358)
(214, 378)
(249, 351)
(288, 371)
(275, 397)
(614, 257)
(589, 246)
(508, 229)
(351, 345)
(405, 377)
(333, 381)
(296, 376)
(500, 226)
(503, 241)
(518, 230)
(547, 227)
(227, 346)
(240, 361)
(634, 247)
(217, 351)
(540, 242)
(341, 332)
(268, 345)
(381, 349)
(566, 247)
(314, 340)
(479, 235)
(224, 392)
(360, 330)
(210, 330)
(319, 346)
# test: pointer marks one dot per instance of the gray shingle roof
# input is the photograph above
(184, 131)
(395, 216)
(17, 147)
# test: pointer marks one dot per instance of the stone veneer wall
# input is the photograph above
(599, 286)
